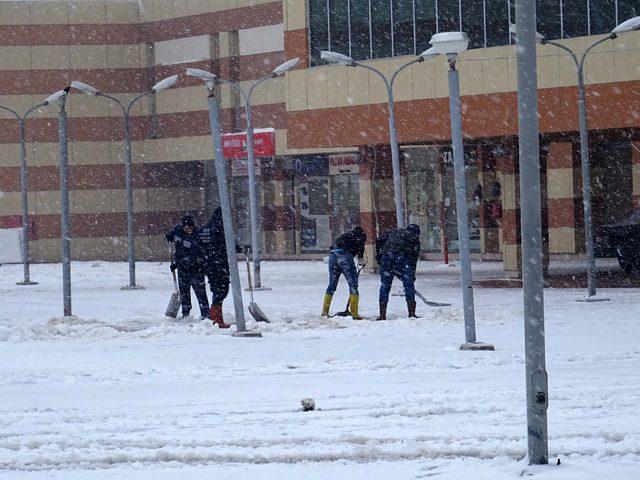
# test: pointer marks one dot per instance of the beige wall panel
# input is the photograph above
(599, 68)
(81, 105)
(297, 90)
(15, 58)
(512, 74)
(123, 12)
(89, 153)
(179, 99)
(181, 149)
(281, 142)
(511, 258)
(548, 71)
(226, 96)
(14, 13)
(87, 11)
(44, 57)
(197, 7)
(94, 248)
(296, 14)
(10, 155)
(172, 199)
(95, 201)
(423, 80)
(272, 91)
(366, 204)
(47, 12)
(338, 87)
(567, 75)
(46, 250)
(22, 103)
(317, 87)
(10, 203)
(125, 56)
(560, 183)
(47, 203)
(358, 86)
(267, 38)
(384, 194)
(562, 240)
(627, 65)
(471, 77)
(88, 56)
(440, 76)
(41, 154)
(223, 45)
(495, 75)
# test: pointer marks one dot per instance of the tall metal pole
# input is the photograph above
(461, 201)
(395, 161)
(65, 232)
(531, 222)
(253, 195)
(24, 189)
(225, 206)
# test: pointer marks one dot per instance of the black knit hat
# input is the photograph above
(187, 221)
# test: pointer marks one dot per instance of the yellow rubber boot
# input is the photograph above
(353, 306)
(326, 304)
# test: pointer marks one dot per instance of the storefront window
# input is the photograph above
(602, 14)
(448, 16)
(381, 26)
(425, 23)
(360, 36)
(497, 22)
(403, 27)
(339, 26)
(473, 22)
(574, 18)
(318, 29)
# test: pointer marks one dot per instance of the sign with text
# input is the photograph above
(234, 145)
(344, 164)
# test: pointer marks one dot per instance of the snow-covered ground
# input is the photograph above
(122, 392)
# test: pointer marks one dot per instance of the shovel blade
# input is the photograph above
(174, 306)
(257, 314)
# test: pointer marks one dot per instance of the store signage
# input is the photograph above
(344, 164)
(234, 145)
(240, 167)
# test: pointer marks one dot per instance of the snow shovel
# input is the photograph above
(174, 303)
(430, 303)
(346, 312)
(254, 309)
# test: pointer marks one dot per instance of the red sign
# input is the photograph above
(234, 145)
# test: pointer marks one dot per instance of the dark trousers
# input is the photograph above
(219, 284)
(188, 279)
(392, 265)
(342, 263)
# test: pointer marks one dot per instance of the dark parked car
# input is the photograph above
(621, 240)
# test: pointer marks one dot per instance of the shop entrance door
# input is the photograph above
(314, 214)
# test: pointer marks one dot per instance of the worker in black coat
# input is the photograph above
(188, 259)
(397, 253)
(216, 264)
(345, 249)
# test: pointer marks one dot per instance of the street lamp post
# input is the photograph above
(24, 191)
(340, 59)
(211, 81)
(627, 26)
(256, 240)
(451, 44)
(126, 112)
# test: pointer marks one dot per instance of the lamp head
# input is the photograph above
(429, 53)
(84, 88)
(201, 74)
(165, 83)
(627, 26)
(54, 97)
(285, 67)
(337, 58)
(449, 43)
(512, 31)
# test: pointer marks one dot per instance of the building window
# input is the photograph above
(366, 29)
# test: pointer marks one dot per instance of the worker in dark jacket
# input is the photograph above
(341, 261)
(397, 253)
(216, 264)
(188, 259)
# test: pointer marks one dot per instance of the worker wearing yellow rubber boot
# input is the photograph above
(341, 262)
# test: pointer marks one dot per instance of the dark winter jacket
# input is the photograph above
(212, 238)
(400, 242)
(352, 242)
(188, 254)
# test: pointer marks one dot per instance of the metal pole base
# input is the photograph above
(477, 346)
(248, 334)
(27, 283)
(258, 289)
(132, 287)
(592, 299)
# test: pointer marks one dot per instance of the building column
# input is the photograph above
(278, 218)
(511, 248)
(563, 182)
(635, 169)
(377, 206)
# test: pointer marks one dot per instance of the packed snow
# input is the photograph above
(120, 391)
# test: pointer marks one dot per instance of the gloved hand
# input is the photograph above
(173, 267)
